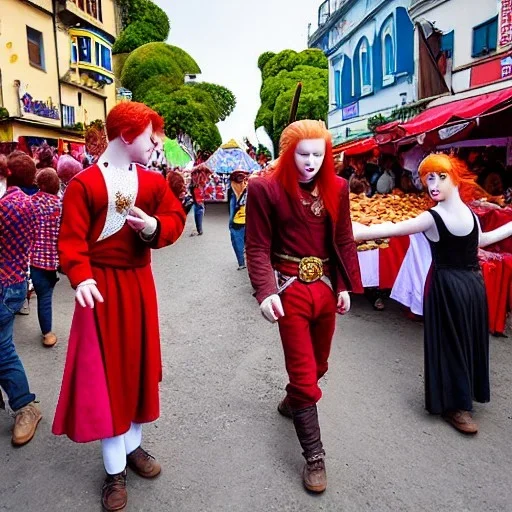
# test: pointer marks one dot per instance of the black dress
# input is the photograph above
(456, 324)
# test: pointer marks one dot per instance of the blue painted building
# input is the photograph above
(370, 47)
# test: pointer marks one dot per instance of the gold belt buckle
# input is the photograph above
(311, 269)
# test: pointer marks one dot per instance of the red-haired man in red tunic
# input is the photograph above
(302, 262)
(114, 213)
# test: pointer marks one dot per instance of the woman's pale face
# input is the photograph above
(309, 157)
(142, 147)
(440, 186)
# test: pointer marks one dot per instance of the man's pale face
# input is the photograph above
(142, 147)
(309, 157)
(440, 186)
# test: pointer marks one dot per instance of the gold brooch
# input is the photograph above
(123, 203)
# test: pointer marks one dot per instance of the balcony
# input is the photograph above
(90, 60)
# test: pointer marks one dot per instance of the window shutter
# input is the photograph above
(346, 82)
(377, 63)
(34, 54)
(404, 42)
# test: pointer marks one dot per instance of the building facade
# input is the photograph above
(56, 73)
(473, 47)
(370, 47)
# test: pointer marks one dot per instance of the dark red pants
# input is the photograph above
(306, 333)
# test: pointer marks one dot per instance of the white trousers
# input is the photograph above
(115, 449)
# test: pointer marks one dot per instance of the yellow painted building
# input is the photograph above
(56, 70)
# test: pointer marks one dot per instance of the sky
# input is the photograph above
(226, 38)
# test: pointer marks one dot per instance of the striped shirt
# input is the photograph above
(48, 209)
(17, 232)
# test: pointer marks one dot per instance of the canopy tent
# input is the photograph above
(175, 155)
(225, 161)
(443, 116)
(356, 147)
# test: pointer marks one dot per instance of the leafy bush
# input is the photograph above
(155, 59)
(143, 22)
(264, 58)
(223, 98)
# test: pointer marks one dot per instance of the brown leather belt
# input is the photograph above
(311, 268)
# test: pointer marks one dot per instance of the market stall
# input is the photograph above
(402, 264)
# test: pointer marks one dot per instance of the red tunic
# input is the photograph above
(105, 389)
(277, 224)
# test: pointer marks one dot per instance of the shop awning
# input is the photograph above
(356, 147)
(436, 117)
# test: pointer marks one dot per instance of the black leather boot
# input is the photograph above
(308, 432)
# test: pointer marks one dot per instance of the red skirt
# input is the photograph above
(113, 366)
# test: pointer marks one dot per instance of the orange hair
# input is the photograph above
(129, 119)
(458, 171)
(286, 170)
(47, 180)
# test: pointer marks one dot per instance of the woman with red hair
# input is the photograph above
(302, 262)
(455, 303)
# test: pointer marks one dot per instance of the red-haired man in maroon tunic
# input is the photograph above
(302, 262)
(114, 213)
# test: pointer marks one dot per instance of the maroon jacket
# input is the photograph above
(275, 223)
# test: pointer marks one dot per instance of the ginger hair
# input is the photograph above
(22, 170)
(129, 119)
(48, 181)
(459, 173)
(286, 172)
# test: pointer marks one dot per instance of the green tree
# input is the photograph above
(184, 115)
(143, 22)
(223, 98)
(281, 73)
(155, 59)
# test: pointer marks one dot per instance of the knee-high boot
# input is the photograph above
(308, 431)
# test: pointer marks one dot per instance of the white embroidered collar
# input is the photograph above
(122, 186)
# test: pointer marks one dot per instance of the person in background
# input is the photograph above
(237, 201)
(67, 168)
(17, 230)
(44, 259)
(386, 182)
(198, 182)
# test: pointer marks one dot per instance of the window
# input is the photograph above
(35, 48)
(485, 38)
(388, 51)
(103, 56)
(84, 49)
(337, 87)
(365, 67)
(91, 7)
(68, 115)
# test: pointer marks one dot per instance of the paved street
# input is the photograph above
(220, 440)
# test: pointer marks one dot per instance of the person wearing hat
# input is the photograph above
(237, 202)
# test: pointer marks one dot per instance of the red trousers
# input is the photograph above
(306, 333)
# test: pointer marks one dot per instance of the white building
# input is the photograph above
(370, 47)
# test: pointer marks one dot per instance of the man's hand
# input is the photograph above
(343, 303)
(87, 292)
(141, 222)
(272, 308)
